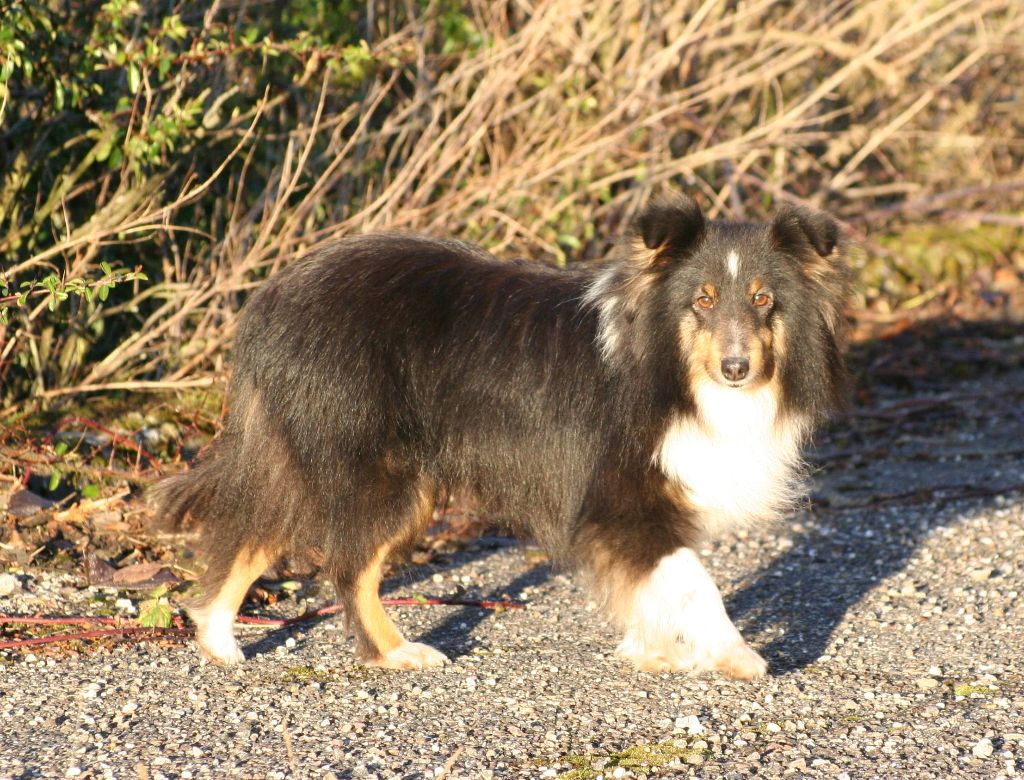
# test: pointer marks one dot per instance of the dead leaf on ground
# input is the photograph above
(25, 503)
(138, 576)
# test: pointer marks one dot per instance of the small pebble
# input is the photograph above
(983, 748)
(9, 584)
(690, 724)
(125, 605)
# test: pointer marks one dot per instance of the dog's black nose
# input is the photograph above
(735, 368)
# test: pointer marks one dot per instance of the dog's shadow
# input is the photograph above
(453, 634)
(896, 473)
(791, 608)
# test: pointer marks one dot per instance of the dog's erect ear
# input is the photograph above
(668, 227)
(794, 227)
(819, 247)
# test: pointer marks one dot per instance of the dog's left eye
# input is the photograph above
(761, 299)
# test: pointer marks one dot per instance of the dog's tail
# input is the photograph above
(184, 501)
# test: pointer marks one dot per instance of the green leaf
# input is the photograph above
(163, 67)
(61, 448)
(155, 613)
(54, 480)
(107, 269)
(91, 491)
(134, 78)
(103, 149)
(103, 292)
(566, 239)
(58, 95)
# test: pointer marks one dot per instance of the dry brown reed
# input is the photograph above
(551, 134)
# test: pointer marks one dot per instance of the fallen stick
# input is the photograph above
(146, 633)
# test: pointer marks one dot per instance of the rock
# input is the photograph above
(983, 748)
(927, 682)
(690, 724)
(9, 584)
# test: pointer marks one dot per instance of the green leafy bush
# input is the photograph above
(158, 160)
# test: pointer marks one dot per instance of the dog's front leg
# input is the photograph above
(675, 619)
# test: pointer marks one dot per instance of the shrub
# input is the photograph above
(158, 160)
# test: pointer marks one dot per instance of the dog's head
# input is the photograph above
(746, 302)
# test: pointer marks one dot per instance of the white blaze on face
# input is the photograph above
(732, 260)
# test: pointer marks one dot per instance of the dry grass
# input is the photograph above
(545, 139)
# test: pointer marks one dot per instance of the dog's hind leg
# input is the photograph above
(225, 583)
(378, 640)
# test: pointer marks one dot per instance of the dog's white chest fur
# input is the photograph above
(737, 463)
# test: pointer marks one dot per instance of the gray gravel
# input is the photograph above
(893, 626)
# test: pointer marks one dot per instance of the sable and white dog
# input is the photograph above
(618, 415)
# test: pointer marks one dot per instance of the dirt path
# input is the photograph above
(891, 616)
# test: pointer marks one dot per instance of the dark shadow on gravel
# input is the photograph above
(938, 421)
(452, 635)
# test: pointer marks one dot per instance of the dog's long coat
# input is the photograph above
(617, 416)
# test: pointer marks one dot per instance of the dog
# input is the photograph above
(620, 416)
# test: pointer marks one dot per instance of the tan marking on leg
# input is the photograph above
(379, 628)
(393, 651)
(214, 619)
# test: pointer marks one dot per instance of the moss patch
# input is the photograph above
(305, 674)
(967, 689)
(642, 756)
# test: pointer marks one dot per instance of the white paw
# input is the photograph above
(220, 649)
(410, 655)
(741, 662)
(666, 657)
(215, 636)
(736, 660)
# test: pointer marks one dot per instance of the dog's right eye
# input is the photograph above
(705, 302)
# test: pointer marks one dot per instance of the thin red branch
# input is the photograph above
(115, 438)
(126, 632)
(145, 633)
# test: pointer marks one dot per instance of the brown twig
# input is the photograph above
(144, 633)
(115, 438)
(136, 633)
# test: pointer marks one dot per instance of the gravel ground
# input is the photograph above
(891, 616)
